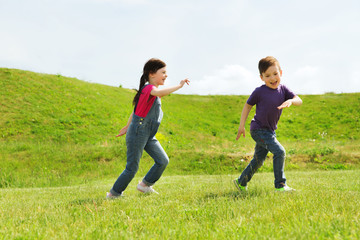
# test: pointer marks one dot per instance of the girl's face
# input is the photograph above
(272, 77)
(158, 78)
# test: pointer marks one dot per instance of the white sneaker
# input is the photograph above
(109, 195)
(147, 189)
(286, 188)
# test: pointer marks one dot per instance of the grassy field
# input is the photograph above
(59, 131)
(59, 156)
(325, 206)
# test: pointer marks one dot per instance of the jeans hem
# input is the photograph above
(114, 193)
(147, 183)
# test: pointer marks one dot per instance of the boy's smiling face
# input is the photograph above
(272, 76)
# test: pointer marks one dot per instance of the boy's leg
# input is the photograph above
(254, 165)
(278, 163)
(155, 150)
(267, 139)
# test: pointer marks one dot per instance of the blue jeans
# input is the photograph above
(139, 137)
(265, 141)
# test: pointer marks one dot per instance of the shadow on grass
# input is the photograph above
(96, 201)
(236, 195)
(99, 200)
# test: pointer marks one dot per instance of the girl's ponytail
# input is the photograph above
(143, 80)
(150, 66)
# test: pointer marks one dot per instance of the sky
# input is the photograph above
(216, 44)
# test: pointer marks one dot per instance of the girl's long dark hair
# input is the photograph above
(150, 66)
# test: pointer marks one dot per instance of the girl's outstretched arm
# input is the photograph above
(244, 116)
(123, 131)
(166, 91)
(296, 101)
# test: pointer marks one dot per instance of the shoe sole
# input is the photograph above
(237, 186)
(113, 197)
(285, 191)
(140, 190)
(149, 192)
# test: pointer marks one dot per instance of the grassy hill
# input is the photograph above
(56, 130)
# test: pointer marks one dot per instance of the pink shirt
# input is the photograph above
(145, 102)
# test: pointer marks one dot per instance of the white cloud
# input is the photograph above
(12, 49)
(305, 79)
(108, 41)
(354, 82)
(132, 2)
(231, 79)
(307, 71)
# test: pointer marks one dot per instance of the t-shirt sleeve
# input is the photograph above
(254, 98)
(288, 93)
(147, 92)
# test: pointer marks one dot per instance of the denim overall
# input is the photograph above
(139, 137)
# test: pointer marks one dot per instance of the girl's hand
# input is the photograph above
(166, 91)
(241, 131)
(184, 81)
(123, 131)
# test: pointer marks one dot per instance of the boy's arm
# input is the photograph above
(244, 116)
(124, 129)
(296, 101)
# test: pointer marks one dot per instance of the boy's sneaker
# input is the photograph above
(147, 189)
(285, 189)
(109, 195)
(239, 187)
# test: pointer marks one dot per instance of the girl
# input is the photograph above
(141, 129)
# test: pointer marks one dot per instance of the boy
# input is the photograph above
(269, 99)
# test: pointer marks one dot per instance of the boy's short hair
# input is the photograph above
(267, 62)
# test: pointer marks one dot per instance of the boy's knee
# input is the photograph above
(280, 152)
(259, 163)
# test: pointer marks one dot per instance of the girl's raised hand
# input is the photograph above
(184, 81)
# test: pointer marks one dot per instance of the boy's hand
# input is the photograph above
(285, 104)
(123, 131)
(241, 131)
(296, 101)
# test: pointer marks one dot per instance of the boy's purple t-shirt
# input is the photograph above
(267, 100)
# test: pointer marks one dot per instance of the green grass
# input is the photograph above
(58, 131)
(59, 156)
(325, 206)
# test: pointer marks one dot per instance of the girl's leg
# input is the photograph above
(135, 142)
(132, 166)
(155, 150)
(254, 165)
